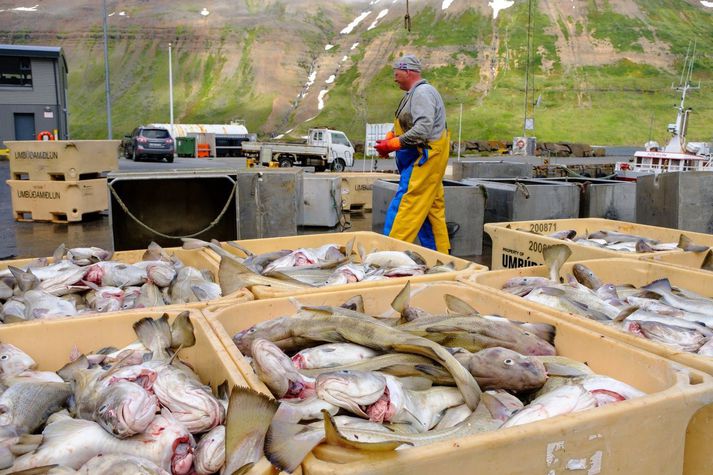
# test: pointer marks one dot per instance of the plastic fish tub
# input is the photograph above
(62, 159)
(516, 245)
(50, 342)
(370, 240)
(58, 201)
(686, 260)
(699, 457)
(640, 436)
(193, 258)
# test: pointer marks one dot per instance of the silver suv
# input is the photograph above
(149, 142)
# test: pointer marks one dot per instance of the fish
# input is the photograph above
(25, 406)
(566, 399)
(149, 296)
(330, 355)
(387, 259)
(501, 368)
(178, 390)
(279, 372)
(662, 287)
(328, 325)
(682, 339)
(191, 286)
(87, 255)
(113, 464)
(555, 256)
(585, 276)
(209, 454)
(41, 304)
(73, 442)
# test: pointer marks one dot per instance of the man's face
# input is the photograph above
(403, 78)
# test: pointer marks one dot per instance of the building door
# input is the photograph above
(25, 127)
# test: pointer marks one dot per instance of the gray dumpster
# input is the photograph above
(511, 199)
(464, 213)
(681, 200)
(322, 200)
(599, 198)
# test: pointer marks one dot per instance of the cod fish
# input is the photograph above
(563, 400)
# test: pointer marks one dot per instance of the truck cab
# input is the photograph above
(341, 151)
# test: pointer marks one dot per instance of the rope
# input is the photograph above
(168, 236)
(343, 224)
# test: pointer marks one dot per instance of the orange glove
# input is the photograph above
(384, 147)
(390, 135)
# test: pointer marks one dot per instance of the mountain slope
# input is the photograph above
(602, 68)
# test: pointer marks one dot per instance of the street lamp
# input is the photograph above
(170, 86)
(106, 73)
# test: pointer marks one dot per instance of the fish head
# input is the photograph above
(276, 369)
(161, 274)
(14, 361)
(519, 339)
(502, 368)
(126, 409)
(351, 389)
(586, 276)
(244, 339)
(95, 274)
(166, 429)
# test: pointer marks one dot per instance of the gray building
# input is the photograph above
(33, 92)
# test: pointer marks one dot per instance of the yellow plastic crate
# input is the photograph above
(62, 159)
(50, 342)
(357, 187)
(699, 458)
(193, 258)
(57, 201)
(640, 436)
(686, 260)
(370, 240)
(515, 245)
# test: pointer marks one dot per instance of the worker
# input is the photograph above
(421, 141)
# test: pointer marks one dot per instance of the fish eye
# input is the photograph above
(509, 362)
(4, 357)
(528, 333)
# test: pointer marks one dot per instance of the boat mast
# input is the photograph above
(677, 143)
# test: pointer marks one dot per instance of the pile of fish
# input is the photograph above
(133, 410)
(615, 241)
(408, 377)
(676, 317)
(85, 280)
(297, 270)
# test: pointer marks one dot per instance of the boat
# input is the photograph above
(678, 155)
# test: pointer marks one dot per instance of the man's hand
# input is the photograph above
(384, 147)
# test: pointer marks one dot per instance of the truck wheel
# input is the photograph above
(285, 162)
(338, 165)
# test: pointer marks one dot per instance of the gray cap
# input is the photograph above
(408, 62)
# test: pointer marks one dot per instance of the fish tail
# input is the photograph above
(154, 334)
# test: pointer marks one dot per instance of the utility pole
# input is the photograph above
(170, 86)
(106, 73)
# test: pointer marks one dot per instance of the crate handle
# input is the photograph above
(71, 144)
(522, 189)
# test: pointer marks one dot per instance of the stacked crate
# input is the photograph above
(60, 181)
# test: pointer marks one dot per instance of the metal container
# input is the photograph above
(165, 206)
(465, 206)
(609, 199)
(682, 200)
(271, 202)
(322, 198)
(491, 169)
(512, 199)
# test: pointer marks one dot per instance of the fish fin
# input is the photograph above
(199, 293)
(13, 319)
(361, 251)
(36, 470)
(554, 257)
(287, 444)
(495, 407)
(153, 252)
(59, 253)
(459, 306)
(229, 276)
(27, 443)
(642, 247)
(560, 370)
(182, 333)
(708, 261)
(438, 262)
(334, 437)
(432, 370)
(26, 280)
(191, 243)
(248, 418)
(349, 248)
(355, 304)
(238, 246)
(154, 334)
(68, 371)
(543, 330)
(685, 243)
(628, 310)
(553, 291)
(402, 299)
(444, 329)
(660, 286)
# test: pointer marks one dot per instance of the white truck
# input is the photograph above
(324, 148)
